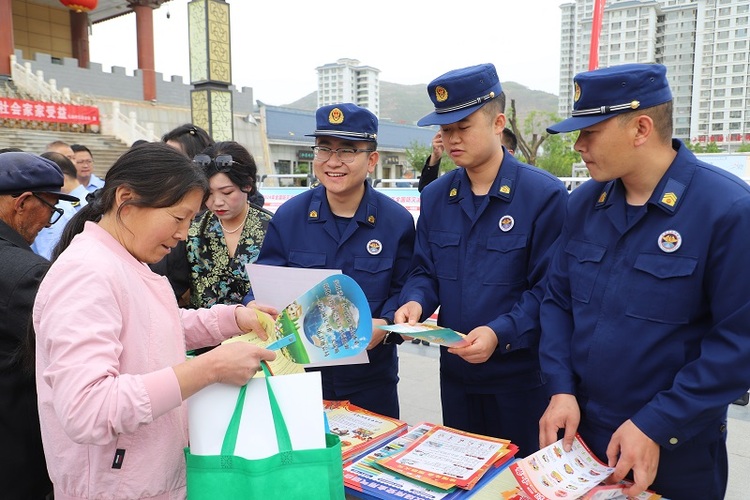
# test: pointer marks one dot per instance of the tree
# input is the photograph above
(417, 153)
(744, 148)
(559, 156)
(697, 147)
(531, 136)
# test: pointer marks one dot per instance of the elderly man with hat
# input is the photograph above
(484, 236)
(29, 189)
(345, 224)
(645, 321)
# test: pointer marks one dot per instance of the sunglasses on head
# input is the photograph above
(221, 164)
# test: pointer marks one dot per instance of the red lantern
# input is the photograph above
(80, 5)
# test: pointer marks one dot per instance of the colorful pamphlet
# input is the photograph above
(366, 478)
(360, 430)
(431, 333)
(328, 323)
(552, 473)
(445, 457)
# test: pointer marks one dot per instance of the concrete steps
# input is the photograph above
(105, 149)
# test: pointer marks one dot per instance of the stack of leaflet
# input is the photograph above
(430, 462)
(360, 430)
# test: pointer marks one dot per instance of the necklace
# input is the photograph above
(230, 231)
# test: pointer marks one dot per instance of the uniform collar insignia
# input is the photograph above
(372, 215)
(454, 190)
(505, 191)
(603, 198)
(313, 213)
(671, 195)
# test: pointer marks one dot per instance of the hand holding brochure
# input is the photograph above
(431, 333)
(331, 321)
(553, 473)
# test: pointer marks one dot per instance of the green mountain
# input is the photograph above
(409, 103)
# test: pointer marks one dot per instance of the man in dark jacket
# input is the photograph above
(29, 189)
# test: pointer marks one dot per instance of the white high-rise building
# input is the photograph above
(347, 81)
(703, 44)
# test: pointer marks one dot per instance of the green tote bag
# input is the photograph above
(290, 474)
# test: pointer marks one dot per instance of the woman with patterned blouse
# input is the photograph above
(229, 234)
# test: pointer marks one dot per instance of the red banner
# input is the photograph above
(19, 109)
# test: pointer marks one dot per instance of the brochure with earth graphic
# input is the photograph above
(329, 323)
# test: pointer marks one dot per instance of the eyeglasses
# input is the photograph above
(56, 212)
(345, 155)
(221, 164)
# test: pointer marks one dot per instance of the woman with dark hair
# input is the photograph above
(188, 138)
(111, 371)
(230, 233)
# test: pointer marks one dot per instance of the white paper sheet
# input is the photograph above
(301, 400)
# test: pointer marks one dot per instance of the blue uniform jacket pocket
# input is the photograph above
(299, 258)
(659, 288)
(445, 250)
(583, 269)
(509, 252)
(374, 275)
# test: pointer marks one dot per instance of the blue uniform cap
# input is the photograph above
(460, 92)
(21, 172)
(345, 121)
(603, 93)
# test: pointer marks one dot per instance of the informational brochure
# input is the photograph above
(431, 333)
(359, 429)
(552, 473)
(279, 286)
(445, 457)
(330, 322)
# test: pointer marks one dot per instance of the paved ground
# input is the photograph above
(420, 402)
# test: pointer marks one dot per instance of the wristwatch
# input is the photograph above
(390, 337)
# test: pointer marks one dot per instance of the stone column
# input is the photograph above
(79, 33)
(211, 67)
(144, 24)
(6, 38)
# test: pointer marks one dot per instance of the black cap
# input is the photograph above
(21, 172)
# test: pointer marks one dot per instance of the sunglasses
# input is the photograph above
(221, 164)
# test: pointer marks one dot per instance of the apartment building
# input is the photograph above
(348, 81)
(703, 44)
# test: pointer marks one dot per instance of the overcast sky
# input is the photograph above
(277, 44)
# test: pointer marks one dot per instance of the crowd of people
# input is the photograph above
(617, 311)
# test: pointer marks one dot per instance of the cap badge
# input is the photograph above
(335, 117)
(577, 94)
(371, 219)
(669, 241)
(505, 189)
(441, 94)
(374, 247)
(453, 192)
(669, 199)
(506, 223)
(602, 197)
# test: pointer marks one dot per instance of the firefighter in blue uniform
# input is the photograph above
(345, 224)
(484, 236)
(645, 321)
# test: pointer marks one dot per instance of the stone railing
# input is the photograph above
(126, 127)
(34, 84)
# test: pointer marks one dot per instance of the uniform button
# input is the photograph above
(673, 440)
(722, 428)
(507, 347)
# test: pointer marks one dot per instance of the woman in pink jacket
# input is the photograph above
(112, 376)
